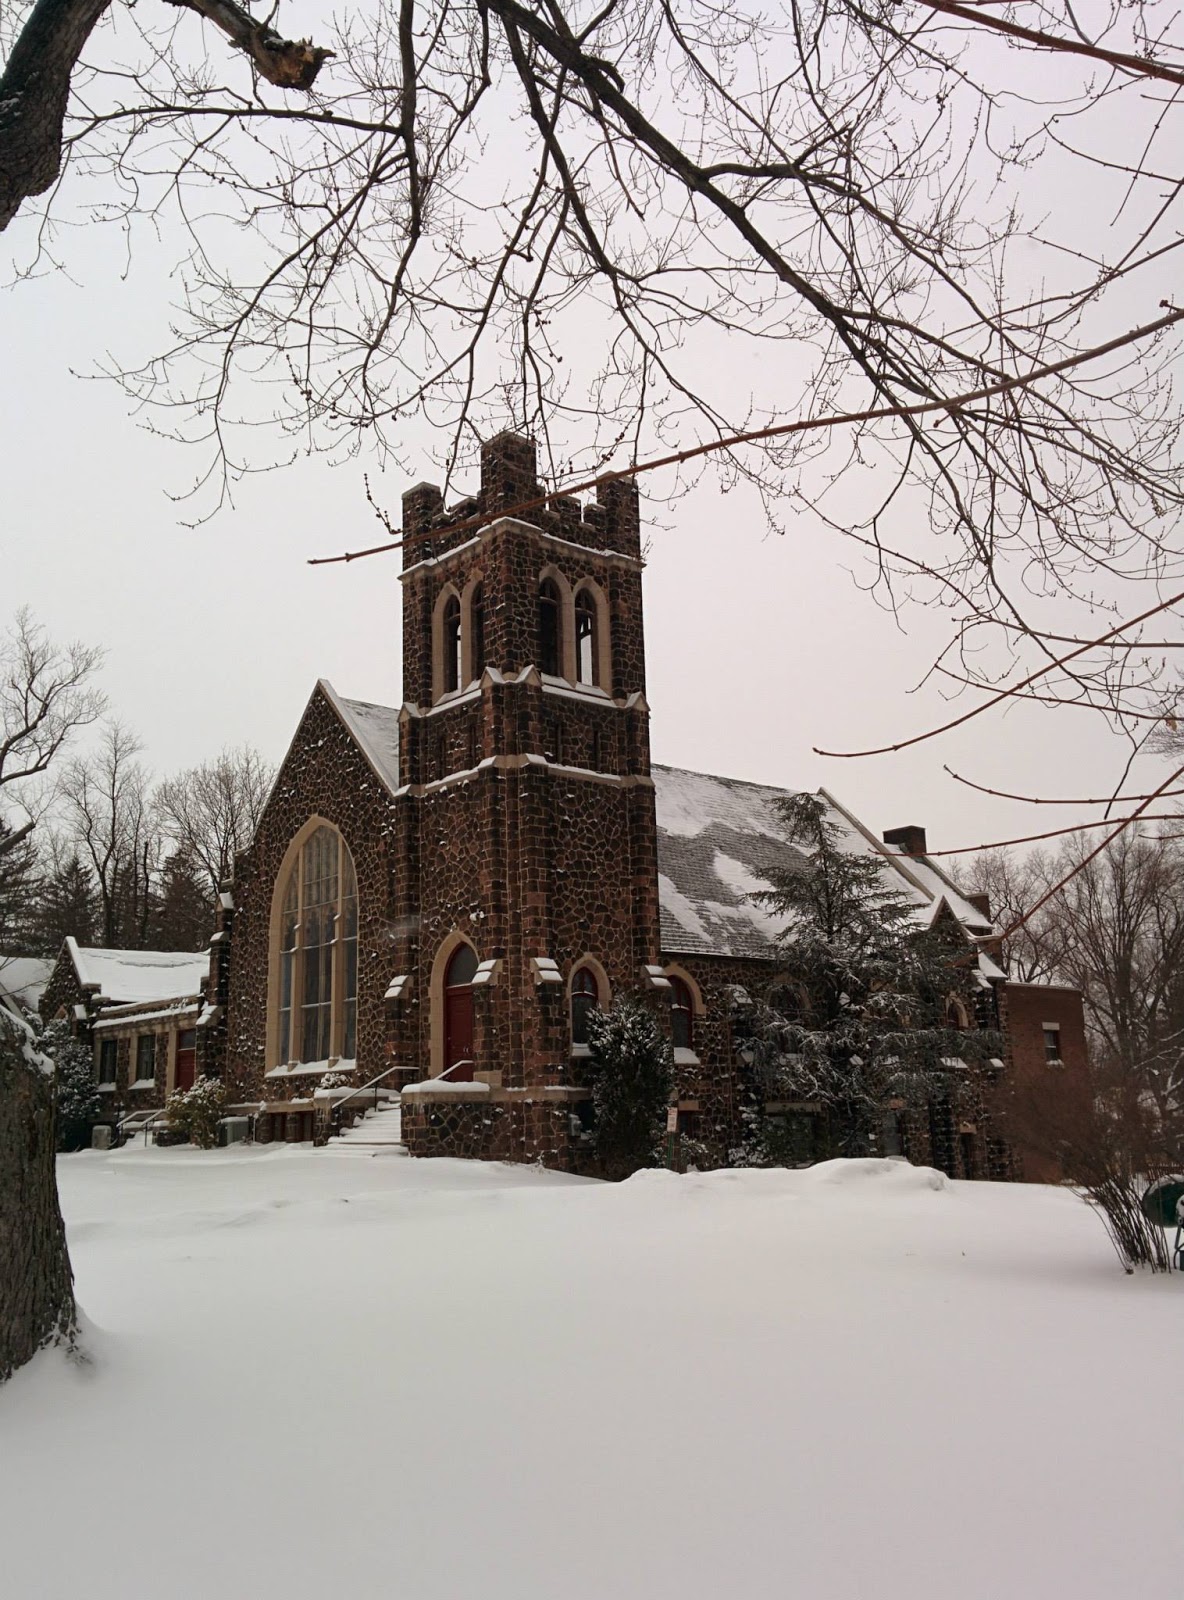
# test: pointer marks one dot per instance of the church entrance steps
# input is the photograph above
(377, 1130)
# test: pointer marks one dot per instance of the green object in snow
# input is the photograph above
(1161, 1201)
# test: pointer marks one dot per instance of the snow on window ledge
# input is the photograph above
(580, 1052)
(143, 1083)
(685, 1058)
(105, 1088)
(310, 1069)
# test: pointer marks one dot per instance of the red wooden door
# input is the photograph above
(458, 1032)
(185, 1069)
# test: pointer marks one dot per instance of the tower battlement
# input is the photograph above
(509, 477)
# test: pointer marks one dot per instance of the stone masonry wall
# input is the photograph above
(326, 775)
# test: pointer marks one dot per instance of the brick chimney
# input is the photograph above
(911, 839)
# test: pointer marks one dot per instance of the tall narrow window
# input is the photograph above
(477, 630)
(549, 654)
(682, 1015)
(146, 1058)
(108, 1061)
(317, 988)
(586, 662)
(585, 998)
(452, 666)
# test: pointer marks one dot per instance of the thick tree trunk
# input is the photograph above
(34, 89)
(36, 1283)
(35, 83)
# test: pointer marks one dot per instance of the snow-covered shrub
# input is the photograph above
(195, 1112)
(77, 1106)
(335, 1079)
(632, 1073)
(695, 1155)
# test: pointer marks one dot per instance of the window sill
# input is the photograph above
(580, 1052)
(143, 1083)
(685, 1058)
(105, 1088)
(310, 1069)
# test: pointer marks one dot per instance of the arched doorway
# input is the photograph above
(458, 1014)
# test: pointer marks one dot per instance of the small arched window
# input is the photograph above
(477, 631)
(549, 634)
(682, 1015)
(586, 651)
(957, 1016)
(585, 998)
(451, 641)
(318, 953)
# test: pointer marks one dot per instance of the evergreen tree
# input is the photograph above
(66, 902)
(863, 1016)
(183, 913)
(632, 1072)
(77, 1106)
(18, 887)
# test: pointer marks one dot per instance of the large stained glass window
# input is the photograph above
(318, 954)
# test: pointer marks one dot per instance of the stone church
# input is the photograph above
(438, 893)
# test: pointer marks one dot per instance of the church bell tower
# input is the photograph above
(525, 743)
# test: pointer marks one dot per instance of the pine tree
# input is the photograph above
(77, 1107)
(632, 1072)
(66, 902)
(18, 887)
(183, 913)
(863, 1016)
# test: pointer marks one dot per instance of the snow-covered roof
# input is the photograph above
(375, 728)
(24, 978)
(718, 838)
(140, 977)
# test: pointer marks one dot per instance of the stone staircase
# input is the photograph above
(377, 1131)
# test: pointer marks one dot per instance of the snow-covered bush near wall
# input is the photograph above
(334, 1079)
(632, 1071)
(77, 1105)
(196, 1111)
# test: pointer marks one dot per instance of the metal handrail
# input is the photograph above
(337, 1104)
(142, 1120)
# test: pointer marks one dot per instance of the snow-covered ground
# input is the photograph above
(324, 1374)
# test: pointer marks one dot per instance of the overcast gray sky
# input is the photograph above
(759, 647)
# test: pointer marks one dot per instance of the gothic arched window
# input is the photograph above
(452, 644)
(957, 1016)
(586, 651)
(585, 998)
(318, 953)
(682, 1015)
(477, 632)
(549, 629)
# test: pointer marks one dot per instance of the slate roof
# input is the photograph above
(718, 839)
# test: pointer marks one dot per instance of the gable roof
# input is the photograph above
(142, 977)
(374, 729)
(717, 840)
